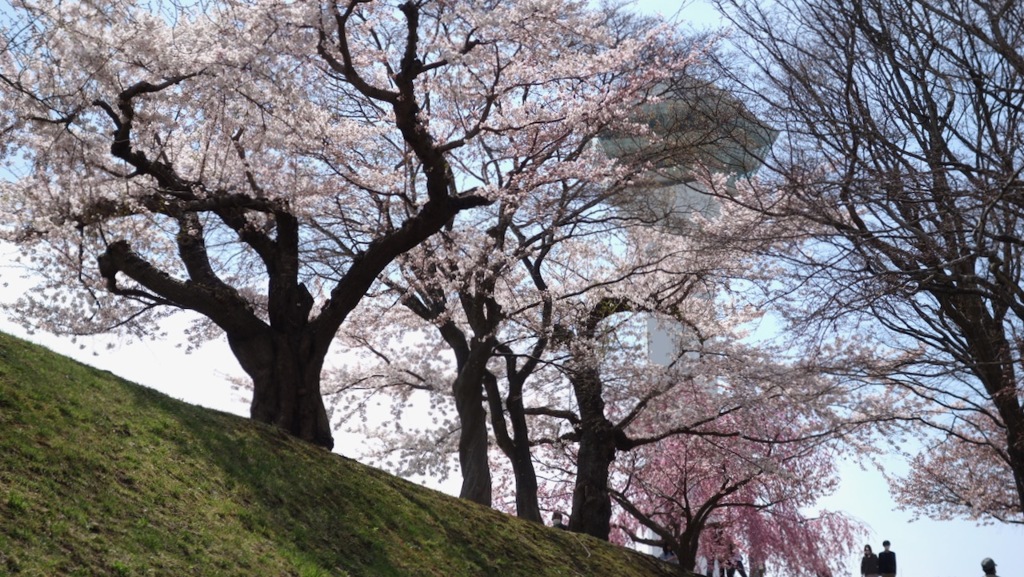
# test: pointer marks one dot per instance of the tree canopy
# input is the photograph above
(263, 163)
(899, 165)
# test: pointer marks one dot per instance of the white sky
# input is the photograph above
(923, 548)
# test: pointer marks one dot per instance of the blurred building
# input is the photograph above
(691, 131)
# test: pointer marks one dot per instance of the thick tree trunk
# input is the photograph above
(1015, 437)
(598, 437)
(285, 371)
(471, 357)
(689, 541)
(591, 500)
(527, 501)
(476, 473)
(468, 390)
(1007, 401)
(515, 446)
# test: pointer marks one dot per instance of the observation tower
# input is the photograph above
(691, 128)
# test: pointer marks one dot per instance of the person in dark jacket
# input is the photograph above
(668, 556)
(887, 561)
(989, 567)
(869, 563)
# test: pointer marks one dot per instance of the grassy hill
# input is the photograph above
(99, 476)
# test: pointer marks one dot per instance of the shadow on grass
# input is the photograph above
(107, 477)
(346, 516)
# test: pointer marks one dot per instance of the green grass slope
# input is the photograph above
(99, 476)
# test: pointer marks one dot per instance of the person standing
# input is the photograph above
(735, 562)
(869, 563)
(557, 523)
(989, 567)
(887, 561)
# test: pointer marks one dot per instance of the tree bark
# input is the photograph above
(591, 500)
(285, 371)
(471, 356)
(516, 446)
(473, 438)
(688, 540)
(527, 501)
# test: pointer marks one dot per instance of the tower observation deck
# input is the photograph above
(690, 128)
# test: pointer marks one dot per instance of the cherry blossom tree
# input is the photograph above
(901, 155)
(615, 388)
(719, 389)
(262, 164)
(521, 312)
(947, 474)
(716, 496)
(473, 296)
(496, 312)
(688, 278)
(598, 397)
(572, 318)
